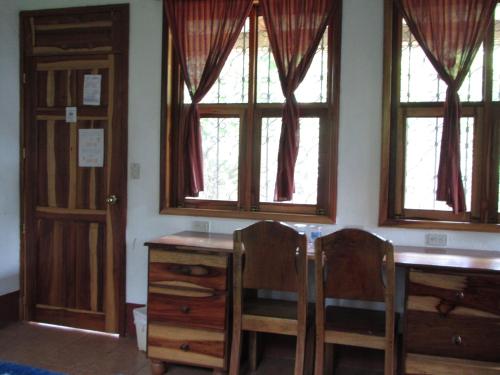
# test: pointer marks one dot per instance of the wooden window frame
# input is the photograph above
(247, 206)
(483, 215)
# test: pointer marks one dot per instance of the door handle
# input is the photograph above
(111, 200)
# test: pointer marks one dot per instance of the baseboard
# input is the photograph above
(130, 326)
(9, 312)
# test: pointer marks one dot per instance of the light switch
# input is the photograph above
(135, 171)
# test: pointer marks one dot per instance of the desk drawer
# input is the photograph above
(430, 365)
(176, 268)
(456, 336)
(183, 307)
(185, 345)
(448, 293)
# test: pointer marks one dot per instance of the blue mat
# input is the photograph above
(13, 369)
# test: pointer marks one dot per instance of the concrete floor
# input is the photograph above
(75, 352)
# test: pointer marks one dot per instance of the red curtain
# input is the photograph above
(450, 32)
(204, 33)
(295, 28)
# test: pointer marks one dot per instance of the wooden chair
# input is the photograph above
(355, 265)
(272, 256)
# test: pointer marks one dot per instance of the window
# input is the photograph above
(414, 97)
(241, 127)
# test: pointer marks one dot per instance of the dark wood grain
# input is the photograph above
(197, 345)
(203, 312)
(10, 307)
(365, 322)
(430, 333)
(473, 291)
(269, 255)
(204, 276)
(65, 263)
(353, 265)
(460, 259)
(198, 240)
(63, 204)
(64, 317)
(404, 256)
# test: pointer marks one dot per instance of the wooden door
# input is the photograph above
(73, 248)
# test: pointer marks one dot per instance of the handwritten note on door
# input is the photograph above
(91, 147)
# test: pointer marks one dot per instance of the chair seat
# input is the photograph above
(360, 321)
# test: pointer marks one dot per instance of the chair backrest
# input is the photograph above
(356, 265)
(274, 256)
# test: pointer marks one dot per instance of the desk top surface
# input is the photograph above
(404, 256)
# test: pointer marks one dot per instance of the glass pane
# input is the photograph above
(423, 148)
(306, 168)
(232, 84)
(313, 87)
(496, 57)
(220, 140)
(420, 82)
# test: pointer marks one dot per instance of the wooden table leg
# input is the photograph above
(158, 367)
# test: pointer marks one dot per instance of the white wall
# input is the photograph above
(359, 157)
(9, 149)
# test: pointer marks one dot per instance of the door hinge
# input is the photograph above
(24, 78)
(24, 153)
(23, 228)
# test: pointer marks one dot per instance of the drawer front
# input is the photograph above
(184, 345)
(202, 311)
(430, 365)
(474, 338)
(446, 293)
(175, 268)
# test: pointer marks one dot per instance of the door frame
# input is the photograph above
(120, 17)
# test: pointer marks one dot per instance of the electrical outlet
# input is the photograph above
(201, 226)
(436, 239)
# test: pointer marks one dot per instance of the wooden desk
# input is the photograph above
(452, 305)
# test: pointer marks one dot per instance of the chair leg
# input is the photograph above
(310, 350)
(319, 357)
(234, 366)
(253, 350)
(300, 349)
(389, 364)
(329, 358)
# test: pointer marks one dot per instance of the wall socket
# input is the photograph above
(436, 239)
(201, 226)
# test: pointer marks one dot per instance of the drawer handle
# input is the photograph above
(185, 309)
(185, 347)
(460, 295)
(457, 340)
(186, 271)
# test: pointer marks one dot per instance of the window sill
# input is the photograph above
(300, 218)
(442, 225)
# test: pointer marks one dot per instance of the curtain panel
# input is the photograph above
(295, 29)
(204, 33)
(450, 33)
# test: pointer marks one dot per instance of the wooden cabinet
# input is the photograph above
(452, 322)
(452, 308)
(188, 303)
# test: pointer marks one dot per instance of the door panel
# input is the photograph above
(74, 243)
